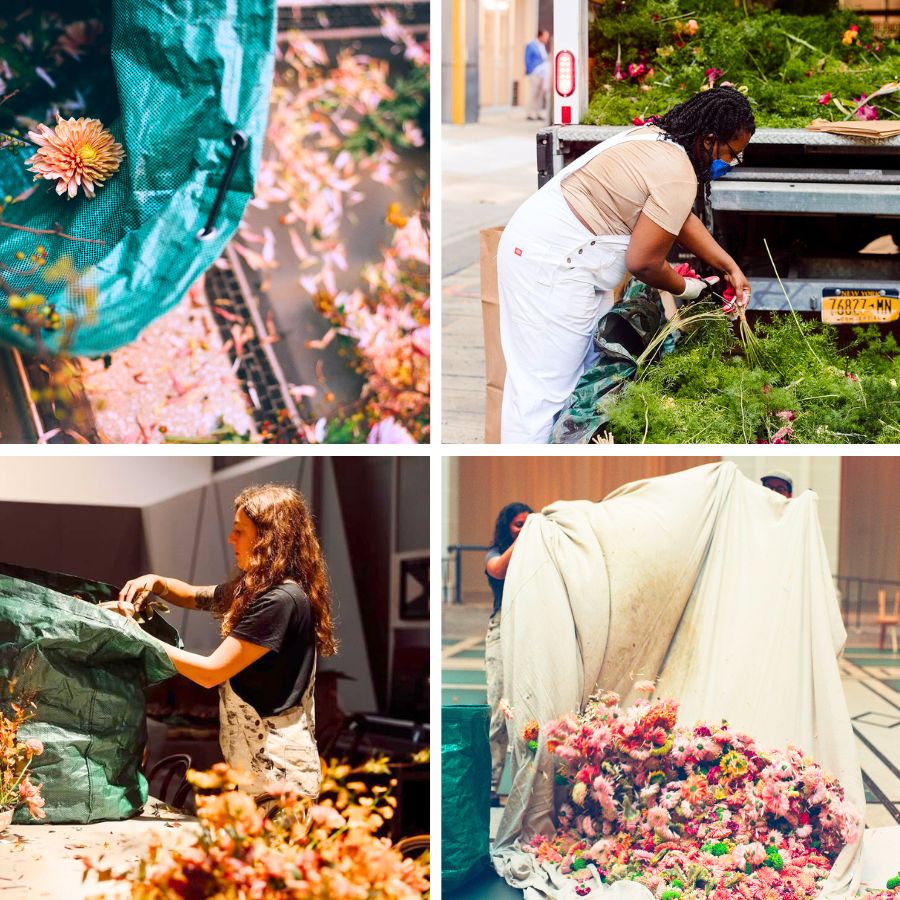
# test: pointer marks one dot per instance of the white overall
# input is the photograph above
(556, 281)
(276, 749)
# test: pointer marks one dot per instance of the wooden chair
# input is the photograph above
(888, 620)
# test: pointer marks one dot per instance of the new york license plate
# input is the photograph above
(860, 306)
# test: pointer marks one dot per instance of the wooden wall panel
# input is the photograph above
(487, 483)
(870, 506)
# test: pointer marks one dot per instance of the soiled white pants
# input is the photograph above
(271, 749)
(556, 280)
(493, 667)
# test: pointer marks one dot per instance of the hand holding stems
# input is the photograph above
(138, 590)
(739, 283)
(134, 595)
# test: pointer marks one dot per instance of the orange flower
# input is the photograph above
(77, 153)
(694, 789)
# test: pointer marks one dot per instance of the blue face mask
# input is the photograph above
(719, 167)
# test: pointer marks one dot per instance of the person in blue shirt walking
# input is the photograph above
(537, 68)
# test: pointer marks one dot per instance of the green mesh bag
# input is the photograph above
(621, 337)
(86, 670)
(466, 790)
(185, 92)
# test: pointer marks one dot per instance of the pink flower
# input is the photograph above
(825, 98)
(692, 27)
(635, 70)
(774, 794)
(658, 818)
(712, 75)
(786, 415)
(34, 746)
(644, 687)
(76, 153)
(327, 816)
(781, 436)
(864, 111)
(27, 790)
(389, 431)
(421, 339)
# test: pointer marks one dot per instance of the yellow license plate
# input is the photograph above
(848, 306)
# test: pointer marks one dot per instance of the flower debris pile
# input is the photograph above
(175, 380)
(330, 850)
(691, 813)
(332, 132)
(651, 54)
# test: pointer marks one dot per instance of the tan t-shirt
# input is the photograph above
(651, 177)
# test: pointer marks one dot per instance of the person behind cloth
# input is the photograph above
(510, 521)
(537, 68)
(275, 622)
(616, 210)
(780, 482)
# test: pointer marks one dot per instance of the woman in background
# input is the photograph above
(510, 521)
(275, 623)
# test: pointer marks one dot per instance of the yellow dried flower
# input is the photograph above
(77, 153)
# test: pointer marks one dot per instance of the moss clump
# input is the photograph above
(784, 62)
(802, 389)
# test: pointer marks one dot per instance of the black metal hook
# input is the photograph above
(238, 145)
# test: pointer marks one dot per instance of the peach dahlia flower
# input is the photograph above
(77, 152)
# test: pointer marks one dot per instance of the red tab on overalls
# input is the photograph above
(518, 251)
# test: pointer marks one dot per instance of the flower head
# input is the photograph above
(76, 153)
(824, 99)
(864, 111)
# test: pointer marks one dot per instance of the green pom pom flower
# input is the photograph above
(717, 848)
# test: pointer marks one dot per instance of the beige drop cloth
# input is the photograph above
(704, 580)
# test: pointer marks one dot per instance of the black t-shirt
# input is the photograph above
(281, 620)
(495, 583)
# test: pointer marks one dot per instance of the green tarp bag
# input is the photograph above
(186, 93)
(621, 337)
(86, 669)
(466, 794)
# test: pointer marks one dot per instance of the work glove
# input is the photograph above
(695, 288)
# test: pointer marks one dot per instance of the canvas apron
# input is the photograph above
(278, 748)
(556, 280)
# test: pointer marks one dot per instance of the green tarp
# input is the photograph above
(183, 77)
(621, 337)
(466, 793)
(86, 669)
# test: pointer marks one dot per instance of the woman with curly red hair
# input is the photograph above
(276, 622)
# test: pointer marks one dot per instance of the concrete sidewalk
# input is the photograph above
(489, 169)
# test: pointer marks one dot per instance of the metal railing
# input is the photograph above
(456, 551)
(853, 590)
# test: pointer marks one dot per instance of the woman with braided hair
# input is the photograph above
(616, 210)
(275, 622)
